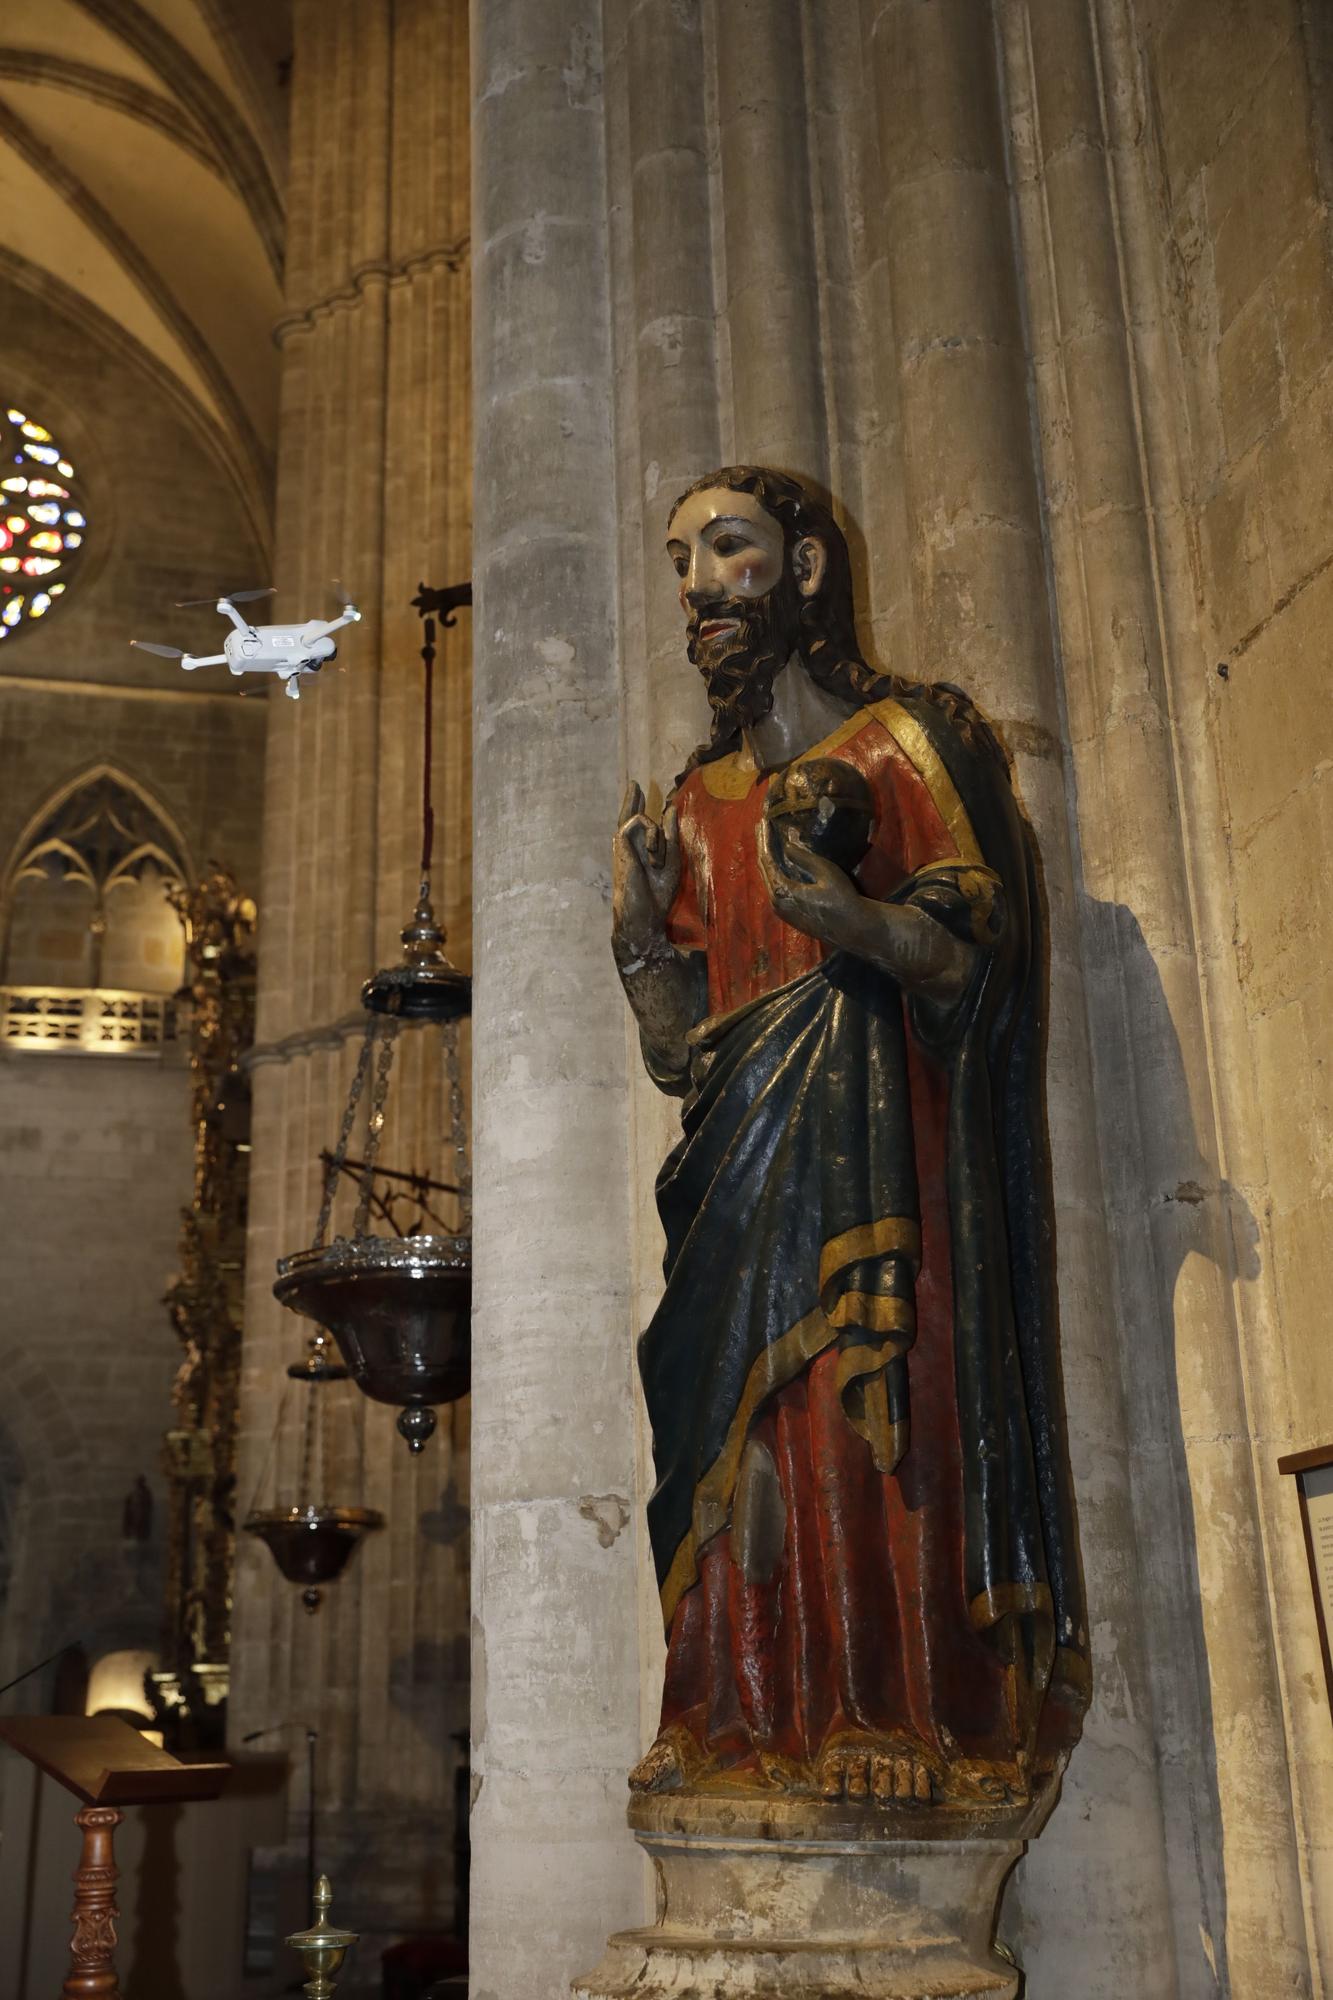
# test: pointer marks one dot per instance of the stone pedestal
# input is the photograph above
(790, 1897)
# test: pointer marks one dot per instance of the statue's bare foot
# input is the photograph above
(973, 1783)
(887, 1770)
(673, 1759)
(783, 1774)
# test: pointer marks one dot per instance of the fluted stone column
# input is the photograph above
(771, 305)
(555, 1646)
(665, 354)
(983, 620)
(373, 491)
(1171, 1211)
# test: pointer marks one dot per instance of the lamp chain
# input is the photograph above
(339, 1153)
(457, 1130)
(304, 1495)
(388, 1029)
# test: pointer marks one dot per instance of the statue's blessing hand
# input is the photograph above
(645, 875)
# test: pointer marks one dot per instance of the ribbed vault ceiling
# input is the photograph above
(142, 155)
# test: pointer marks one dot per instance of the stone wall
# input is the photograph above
(197, 757)
(1242, 130)
(373, 453)
(958, 264)
(95, 1159)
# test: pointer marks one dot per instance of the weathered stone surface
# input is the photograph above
(556, 1696)
(771, 1897)
(373, 455)
(1084, 461)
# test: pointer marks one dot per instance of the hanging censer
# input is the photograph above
(311, 1541)
(399, 1306)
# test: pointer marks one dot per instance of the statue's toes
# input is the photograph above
(922, 1785)
(659, 1771)
(858, 1778)
(882, 1779)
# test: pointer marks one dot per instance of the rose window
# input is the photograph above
(42, 521)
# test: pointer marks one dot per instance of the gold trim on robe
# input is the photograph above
(781, 1362)
(917, 747)
(1006, 1599)
(875, 1311)
(730, 778)
(892, 1233)
(863, 1391)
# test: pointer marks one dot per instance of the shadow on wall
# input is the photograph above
(1167, 1208)
(155, 1973)
(448, 1524)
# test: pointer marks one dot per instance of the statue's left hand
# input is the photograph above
(809, 893)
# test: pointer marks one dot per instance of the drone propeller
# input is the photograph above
(227, 597)
(340, 592)
(163, 652)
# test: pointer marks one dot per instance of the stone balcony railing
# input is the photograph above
(74, 1020)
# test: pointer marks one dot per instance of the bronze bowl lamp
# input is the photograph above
(400, 1305)
(310, 1541)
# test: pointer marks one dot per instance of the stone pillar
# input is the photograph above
(767, 234)
(1137, 670)
(666, 353)
(809, 256)
(1103, 398)
(555, 1644)
(983, 619)
(374, 451)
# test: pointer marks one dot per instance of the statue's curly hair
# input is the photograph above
(826, 637)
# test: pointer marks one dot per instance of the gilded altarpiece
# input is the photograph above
(204, 1302)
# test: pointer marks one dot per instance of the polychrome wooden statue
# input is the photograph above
(832, 942)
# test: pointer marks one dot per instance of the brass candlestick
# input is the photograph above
(322, 1947)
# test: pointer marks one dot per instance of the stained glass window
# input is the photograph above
(42, 521)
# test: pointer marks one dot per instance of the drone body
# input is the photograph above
(290, 651)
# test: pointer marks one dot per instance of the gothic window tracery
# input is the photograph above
(42, 521)
(94, 949)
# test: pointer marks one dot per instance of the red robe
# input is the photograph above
(852, 1619)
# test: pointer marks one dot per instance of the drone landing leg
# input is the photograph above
(228, 610)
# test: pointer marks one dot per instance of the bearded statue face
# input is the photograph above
(741, 590)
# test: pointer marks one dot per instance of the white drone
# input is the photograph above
(290, 651)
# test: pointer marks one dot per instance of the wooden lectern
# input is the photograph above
(108, 1765)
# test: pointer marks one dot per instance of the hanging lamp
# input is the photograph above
(311, 1541)
(398, 1305)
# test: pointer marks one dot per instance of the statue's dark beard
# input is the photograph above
(739, 669)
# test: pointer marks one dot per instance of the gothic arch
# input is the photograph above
(100, 830)
(90, 775)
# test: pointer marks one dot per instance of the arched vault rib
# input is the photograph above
(119, 93)
(145, 277)
(201, 98)
(255, 492)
